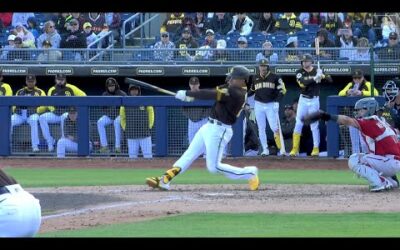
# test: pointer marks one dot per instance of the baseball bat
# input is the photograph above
(148, 86)
(317, 51)
(283, 148)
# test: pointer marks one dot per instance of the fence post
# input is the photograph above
(332, 128)
(237, 138)
(83, 131)
(5, 125)
(161, 126)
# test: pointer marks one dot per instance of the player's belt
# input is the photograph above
(308, 96)
(4, 190)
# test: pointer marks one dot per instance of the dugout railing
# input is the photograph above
(164, 108)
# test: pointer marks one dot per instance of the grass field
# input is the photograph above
(219, 225)
(251, 225)
(47, 177)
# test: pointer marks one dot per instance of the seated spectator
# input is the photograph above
(49, 54)
(392, 50)
(8, 47)
(62, 22)
(242, 54)
(188, 23)
(164, 49)
(18, 54)
(50, 34)
(288, 23)
(288, 123)
(346, 42)
(363, 52)
(292, 54)
(33, 27)
(28, 40)
(186, 42)
(315, 18)
(267, 53)
(69, 140)
(242, 24)
(221, 54)
(201, 23)
(96, 19)
(221, 23)
(74, 39)
(325, 42)
(90, 35)
(5, 19)
(332, 23)
(210, 39)
(172, 23)
(367, 30)
(21, 17)
(388, 27)
(266, 23)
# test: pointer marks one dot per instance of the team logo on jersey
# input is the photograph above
(298, 75)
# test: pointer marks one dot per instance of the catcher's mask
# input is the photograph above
(369, 104)
(390, 91)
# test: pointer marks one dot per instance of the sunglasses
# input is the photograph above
(51, 26)
(74, 24)
(392, 38)
(241, 42)
(164, 36)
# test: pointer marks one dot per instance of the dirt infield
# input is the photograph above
(122, 204)
(82, 207)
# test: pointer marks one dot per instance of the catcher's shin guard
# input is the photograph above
(171, 173)
(277, 140)
(296, 144)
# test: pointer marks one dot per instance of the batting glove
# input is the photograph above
(181, 95)
(319, 71)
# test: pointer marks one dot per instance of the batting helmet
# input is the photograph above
(368, 103)
(240, 72)
(306, 57)
(390, 90)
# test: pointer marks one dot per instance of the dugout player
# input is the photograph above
(308, 79)
(20, 212)
(55, 115)
(380, 165)
(269, 90)
(213, 137)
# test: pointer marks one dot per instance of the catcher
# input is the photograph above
(380, 165)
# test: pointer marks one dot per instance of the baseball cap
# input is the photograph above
(72, 109)
(392, 35)
(46, 42)
(73, 21)
(18, 40)
(358, 73)
(60, 76)
(242, 39)
(263, 62)
(30, 78)
(87, 24)
(11, 38)
(187, 30)
(19, 24)
(291, 40)
(221, 44)
(194, 80)
(209, 31)
(164, 33)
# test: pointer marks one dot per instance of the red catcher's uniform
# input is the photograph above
(379, 136)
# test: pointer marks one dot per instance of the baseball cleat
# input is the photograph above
(394, 177)
(265, 152)
(386, 185)
(294, 153)
(315, 151)
(254, 182)
(156, 182)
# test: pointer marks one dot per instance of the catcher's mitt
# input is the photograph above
(316, 116)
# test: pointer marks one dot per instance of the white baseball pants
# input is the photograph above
(33, 121)
(144, 143)
(50, 117)
(20, 213)
(212, 139)
(65, 145)
(263, 112)
(101, 128)
(307, 106)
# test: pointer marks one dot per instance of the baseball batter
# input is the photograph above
(380, 165)
(20, 212)
(269, 90)
(308, 79)
(213, 137)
